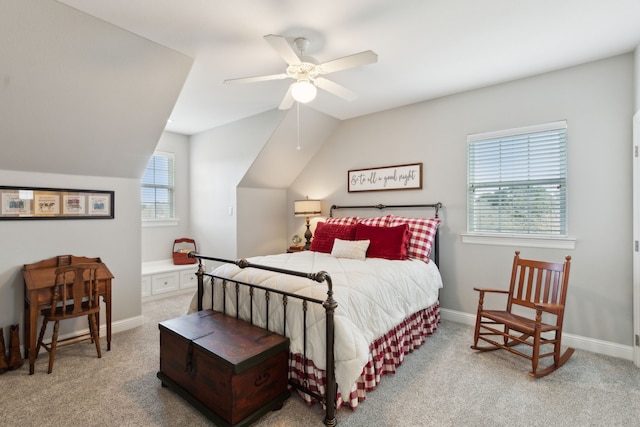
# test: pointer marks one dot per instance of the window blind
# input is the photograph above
(158, 188)
(517, 181)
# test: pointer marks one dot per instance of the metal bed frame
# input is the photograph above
(329, 305)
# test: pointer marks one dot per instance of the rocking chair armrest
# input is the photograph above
(549, 307)
(499, 291)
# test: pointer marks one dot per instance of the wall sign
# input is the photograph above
(54, 203)
(400, 177)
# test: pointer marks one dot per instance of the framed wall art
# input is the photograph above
(55, 203)
(399, 177)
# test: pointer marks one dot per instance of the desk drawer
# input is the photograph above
(165, 282)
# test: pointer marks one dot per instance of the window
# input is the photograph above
(158, 188)
(517, 181)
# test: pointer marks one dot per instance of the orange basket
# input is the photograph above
(181, 247)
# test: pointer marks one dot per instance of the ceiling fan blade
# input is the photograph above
(284, 49)
(351, 61)
(256, 79)
(287, 101)
(335, 89)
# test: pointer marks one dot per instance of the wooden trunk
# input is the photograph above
(232, 371)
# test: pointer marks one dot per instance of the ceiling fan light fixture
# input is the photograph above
(303, 91)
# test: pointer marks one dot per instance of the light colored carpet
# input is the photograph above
(444, 383)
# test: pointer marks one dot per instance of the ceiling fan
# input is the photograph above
(307, 73)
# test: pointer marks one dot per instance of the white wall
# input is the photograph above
(219, 160)
(80, 95)
(116, 241)
(596, 99)
(157, 241)
(637, 78)
(261, 230)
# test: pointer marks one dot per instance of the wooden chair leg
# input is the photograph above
(95, 333)
(506, 336)
(557, 349)
(41, 336)
(477, 337)
(476, 333)
(54, 345)
(90, 327)
(536, 353)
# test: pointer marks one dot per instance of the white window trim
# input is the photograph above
(516, 131)
(170, 222)
(519, 241)
(531, 241)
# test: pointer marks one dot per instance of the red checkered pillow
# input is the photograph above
(380, 221)
(423, 232)
(347, 220)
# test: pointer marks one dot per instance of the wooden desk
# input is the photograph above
(38, 279)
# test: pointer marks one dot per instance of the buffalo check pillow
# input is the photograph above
(379, 221)
(347, 220)
(423, 233)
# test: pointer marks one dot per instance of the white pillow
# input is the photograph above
(354, 249)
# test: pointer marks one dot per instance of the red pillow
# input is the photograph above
(327, 233)
(386, 242)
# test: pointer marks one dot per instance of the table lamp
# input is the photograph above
(307, 208)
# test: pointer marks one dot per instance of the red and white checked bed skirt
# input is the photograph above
(385, 355)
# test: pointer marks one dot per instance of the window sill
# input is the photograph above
(520, 241)
(173, 222)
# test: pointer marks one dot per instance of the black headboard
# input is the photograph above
(437, 206)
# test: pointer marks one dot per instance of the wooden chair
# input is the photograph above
(74, 294)
(537, 295)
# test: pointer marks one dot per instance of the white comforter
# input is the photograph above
(373, 296)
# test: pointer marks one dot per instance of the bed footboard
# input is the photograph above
(329, 305)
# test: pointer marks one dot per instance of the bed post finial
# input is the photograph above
(438, 205)
(243, 263)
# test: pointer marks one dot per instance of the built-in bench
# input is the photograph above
(164, 278)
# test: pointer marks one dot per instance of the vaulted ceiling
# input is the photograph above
(426, 48)
(79, 95)
(87, 86)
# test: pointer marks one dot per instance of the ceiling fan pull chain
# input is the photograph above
(298, 125)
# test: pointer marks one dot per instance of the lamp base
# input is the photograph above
(307, 236)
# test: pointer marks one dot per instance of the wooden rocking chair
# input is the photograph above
(537, 292)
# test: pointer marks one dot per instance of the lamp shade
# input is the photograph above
(303, 91)
(307, 208)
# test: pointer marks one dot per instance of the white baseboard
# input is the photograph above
(119, 326)
(123, 325)
(576, 341)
